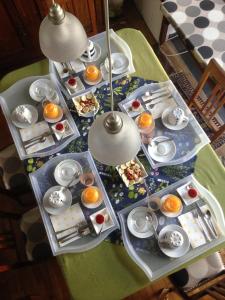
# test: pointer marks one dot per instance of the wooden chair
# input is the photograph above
(209, 107)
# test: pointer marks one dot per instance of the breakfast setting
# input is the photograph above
(170, 223)
(73, 200)
(91, 69)
(168, 136)
(40, 119)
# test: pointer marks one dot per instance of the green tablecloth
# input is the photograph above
(107, 272)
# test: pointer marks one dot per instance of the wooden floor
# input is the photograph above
(45, 281)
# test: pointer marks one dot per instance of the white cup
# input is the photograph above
(163, 149)
(177, 116)
(172, 239)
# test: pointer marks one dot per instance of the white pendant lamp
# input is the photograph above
(113, 138)
(61, 35)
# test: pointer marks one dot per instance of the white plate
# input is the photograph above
(95, 57)
(92, 205)
(120, 63)
(170, 126)
(57, 119)
(141, 213)
(182, 191)
(157, 156)
(67, 167)
(40, 88)
(170, 214)
(93, 82)
(106, 225)
(174, 252)
(56, 210)
(34, 117)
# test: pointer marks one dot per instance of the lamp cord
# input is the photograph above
(106, 6)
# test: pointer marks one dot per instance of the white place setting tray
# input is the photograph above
(118, 46)
(187, 140)
(45, 178)
(19, 94)
(153, 257)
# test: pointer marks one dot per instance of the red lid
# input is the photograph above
(59, 126)
(192, 192)
(99, 219)
(72, 81)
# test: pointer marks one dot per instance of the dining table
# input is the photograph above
(107, 271)
(200, 25)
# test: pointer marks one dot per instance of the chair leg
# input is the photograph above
(218, 133)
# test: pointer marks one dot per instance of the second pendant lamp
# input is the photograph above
(113, 138)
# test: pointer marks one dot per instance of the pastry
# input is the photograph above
(71, 83)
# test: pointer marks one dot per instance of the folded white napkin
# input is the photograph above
(71, 217)
(194, 232)
(162, 103)
(35, 131)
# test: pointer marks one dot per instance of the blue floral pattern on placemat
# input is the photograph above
(118, 193)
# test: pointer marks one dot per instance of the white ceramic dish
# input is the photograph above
(93, 82)
(170, 148)
(182, 191)
(56, 210)
(120, 63)
(55, 120)
(79, 87)
(62, 135)
(95, 57)
(106, 225)
(174, 252)
(170, 214)
(138, 214)
(34, 117)
(89, 114)
(65, 170)
(92, 205)
(170, 126)
(41, 89)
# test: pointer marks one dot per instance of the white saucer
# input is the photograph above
(95, 57)
(34, 118)
(157, 156)
(141, 212)
(70, 167)
(55, 120)
(174, 252)
(166, 123)
(170, 214)
(120, 63)
(182, 191)
(43, 86)
(56, 210)
(92, 205)
(93, 82)
(106, 225)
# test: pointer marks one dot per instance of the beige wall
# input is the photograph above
(150, 10)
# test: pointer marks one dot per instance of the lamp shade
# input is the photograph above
(114, 149)
(62, 42)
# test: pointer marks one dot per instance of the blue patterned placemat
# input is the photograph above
(118, 193)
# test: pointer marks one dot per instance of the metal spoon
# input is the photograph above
(149, 218)
(208, 218)
(156, 143)
(41, 140)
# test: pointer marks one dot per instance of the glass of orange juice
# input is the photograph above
(92, 73)
(146, 125)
